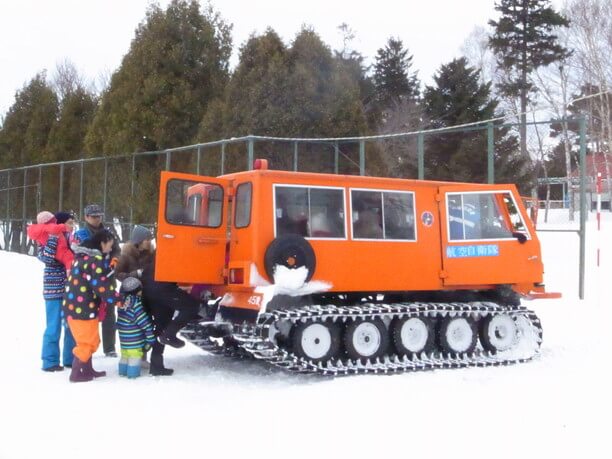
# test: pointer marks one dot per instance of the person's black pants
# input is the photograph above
(109, 330)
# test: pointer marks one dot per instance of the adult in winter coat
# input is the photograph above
(93, 224)
(88, 286)
(164, 299)
(135, 329)
(135, 254)
(54, 281)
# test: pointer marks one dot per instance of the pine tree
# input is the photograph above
(67, 137)
(27, 124)
(524, 40)
(459, 97)
(177, 64)
(299, 91)
(392, 78)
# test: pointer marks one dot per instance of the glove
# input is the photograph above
(139, 272)
(113, 262)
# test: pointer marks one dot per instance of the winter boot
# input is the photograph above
(169, 338)
(156, 367)
(133, 367)
(123, 364)
(95, 374)
(80, 371)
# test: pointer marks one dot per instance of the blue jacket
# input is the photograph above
(134, 325)
(54, 277)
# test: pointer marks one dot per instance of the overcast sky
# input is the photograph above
(95, 34)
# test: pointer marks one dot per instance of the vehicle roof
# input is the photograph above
(282, 175)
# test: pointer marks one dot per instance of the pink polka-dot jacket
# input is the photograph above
(88, 284)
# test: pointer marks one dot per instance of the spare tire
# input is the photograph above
(291, 251)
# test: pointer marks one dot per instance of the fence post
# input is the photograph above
(362, 157)
(582, 206)
(60, 204)
(295, 156)
(132, 188)
(421, 155)
(198, 160)
(490, 154)
(81, 190)
(250, 152)
(222, 158)
(336, 154)
(39, 189)
(104, 187)
(23, 211)
(168, 160)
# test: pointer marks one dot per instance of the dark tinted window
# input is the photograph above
(383, 215)
(243, 205)
(310, 212)
(194, 203)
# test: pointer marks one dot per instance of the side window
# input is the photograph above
(291, 211)
(309, 212)
(398, 211)
(481, 216)
(194, 204)
(243, 205)
(326, 213)
(383, 215)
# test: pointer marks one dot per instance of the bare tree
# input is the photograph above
(591, 39)
(66, 79)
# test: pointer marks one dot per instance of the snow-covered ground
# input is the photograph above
(556, 406)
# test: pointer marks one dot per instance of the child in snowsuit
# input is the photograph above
(46, 225)
(88, 286)
(135, 329)
(54, 281)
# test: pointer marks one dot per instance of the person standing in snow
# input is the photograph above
(93, 224)
(89, 289)
(135, 329)
(54, 252)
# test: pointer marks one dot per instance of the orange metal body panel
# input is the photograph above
(197, 254)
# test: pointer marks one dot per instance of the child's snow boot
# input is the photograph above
(133, 367)
(94, 373)
(123, 365)
(80, 371)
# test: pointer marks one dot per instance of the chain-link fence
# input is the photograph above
(126, 186)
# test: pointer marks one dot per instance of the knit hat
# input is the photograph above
(63, 217)
(93, 210)
(139, 234)
(45, 217)
(130, 286)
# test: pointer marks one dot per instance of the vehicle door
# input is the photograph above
(482, 230)
(192, 228)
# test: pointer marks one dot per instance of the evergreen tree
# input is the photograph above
(27, 124)
(392, 78)
(300, 91)
(67, 137)
(459, 97)
(177, 64)
(524, 40)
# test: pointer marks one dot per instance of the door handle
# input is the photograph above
(168, 236)
(206, 240)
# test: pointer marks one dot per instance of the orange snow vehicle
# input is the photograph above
(338, 274)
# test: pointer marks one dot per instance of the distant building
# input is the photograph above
(595, 163)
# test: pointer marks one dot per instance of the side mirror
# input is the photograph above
(520, 236)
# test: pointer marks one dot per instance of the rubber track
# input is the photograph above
(260, 347)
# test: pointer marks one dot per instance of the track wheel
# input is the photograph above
(412, 335)
(366, 339)
(316, 341)
(458, 335)
(498, 333)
